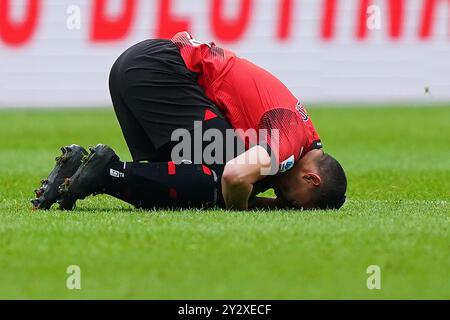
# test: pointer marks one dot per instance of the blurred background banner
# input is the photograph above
(56, 53)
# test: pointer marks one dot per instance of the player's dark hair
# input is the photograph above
(331, 192)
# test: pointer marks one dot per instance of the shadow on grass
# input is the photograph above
(132, 210)
(107, 209)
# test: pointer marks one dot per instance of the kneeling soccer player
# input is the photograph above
(161, 86)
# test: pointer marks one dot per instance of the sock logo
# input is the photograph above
(116, 174)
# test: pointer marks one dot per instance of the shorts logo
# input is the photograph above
(287, 164)
(302, 111)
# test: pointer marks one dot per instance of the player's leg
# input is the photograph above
(163, 185)
(180, 185)
(140, 146)
(158, 184)
(152, 84)
(144, 185)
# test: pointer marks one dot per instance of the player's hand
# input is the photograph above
(240, 174)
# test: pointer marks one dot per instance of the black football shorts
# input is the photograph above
(153, 94)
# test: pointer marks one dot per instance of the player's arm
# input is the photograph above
(241, 173)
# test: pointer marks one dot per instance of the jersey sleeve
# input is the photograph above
(285, 134)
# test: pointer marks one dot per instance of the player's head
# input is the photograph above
(317, 181)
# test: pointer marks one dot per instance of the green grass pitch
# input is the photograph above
(397, 217)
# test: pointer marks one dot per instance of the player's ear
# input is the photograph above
(313, 179)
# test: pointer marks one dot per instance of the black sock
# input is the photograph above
(162, 185)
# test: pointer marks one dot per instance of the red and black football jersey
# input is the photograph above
(251, 98)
